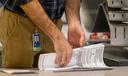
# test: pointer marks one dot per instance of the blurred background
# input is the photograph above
(89, 11)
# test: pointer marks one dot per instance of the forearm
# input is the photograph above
(73, 11)
(37, 14)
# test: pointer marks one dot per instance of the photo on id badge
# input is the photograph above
(36, 42)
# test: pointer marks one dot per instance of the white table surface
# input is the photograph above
(117, 71)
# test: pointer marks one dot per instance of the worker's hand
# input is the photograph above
(63, 52)
(76, 35)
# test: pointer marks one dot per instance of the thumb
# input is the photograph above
(82, 40)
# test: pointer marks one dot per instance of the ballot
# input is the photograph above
(83, 58)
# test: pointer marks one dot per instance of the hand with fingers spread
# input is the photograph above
(63, 52)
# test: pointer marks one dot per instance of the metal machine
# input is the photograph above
(113, 17)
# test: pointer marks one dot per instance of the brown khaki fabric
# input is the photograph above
(16, 37)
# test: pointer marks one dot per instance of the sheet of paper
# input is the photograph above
(92, 56)
(84, 58)
(18, 71)
(47, 61)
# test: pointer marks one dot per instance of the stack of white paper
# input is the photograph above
(18, 71)
(87, 57)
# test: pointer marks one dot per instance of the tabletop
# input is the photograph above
(116, 71)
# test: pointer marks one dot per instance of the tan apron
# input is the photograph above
(16, 37)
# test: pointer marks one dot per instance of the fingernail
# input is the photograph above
(62, 65)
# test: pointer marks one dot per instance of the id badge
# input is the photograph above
(36, 42)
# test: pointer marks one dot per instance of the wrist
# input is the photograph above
(74, 25)
(74, 22)
(58, 37)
